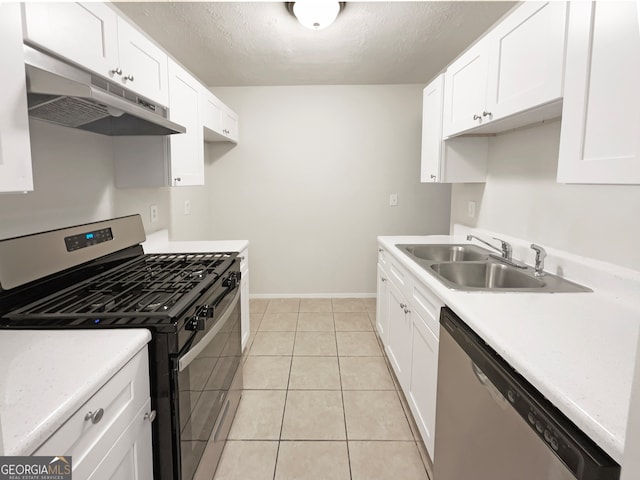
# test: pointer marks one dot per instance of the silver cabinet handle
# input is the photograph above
(117, 71)
(381, 250)
(403, 306)
(177, 179)
(151, 416)
(477, 117)
(383, 279)
(129, 77)
(95, 417)
(406, 310)
(432, 176)
(487, 114)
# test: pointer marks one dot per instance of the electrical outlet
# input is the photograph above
(393, 199)
(154, 213)
(471, 209)
(187, 207)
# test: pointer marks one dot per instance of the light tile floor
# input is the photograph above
(319, 400)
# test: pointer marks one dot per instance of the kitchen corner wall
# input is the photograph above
(309, 183)
(74, 184)
(521, 198)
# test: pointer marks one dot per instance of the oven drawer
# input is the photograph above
(120, 399)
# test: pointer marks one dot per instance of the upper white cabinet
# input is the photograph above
(512, 76)
(186, 150)
(15, 149)
(143, 64)
(220, 123)
(93, 36)
(457, 160)
(600, 135)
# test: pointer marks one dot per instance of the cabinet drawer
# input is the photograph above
(398, 275)
(428, 305)
(382, 257)
(120, 399)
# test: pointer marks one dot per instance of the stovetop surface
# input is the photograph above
(151, 289)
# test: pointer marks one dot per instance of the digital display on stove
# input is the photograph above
(87, 239)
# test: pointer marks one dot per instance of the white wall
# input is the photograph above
(521, 198)
(73, 184)
(309, 183)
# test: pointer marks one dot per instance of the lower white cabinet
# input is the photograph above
(110, 435)
(15, 149)
(407, 321)
(601, 109)
(245, 326)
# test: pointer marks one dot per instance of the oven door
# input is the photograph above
(209, 383)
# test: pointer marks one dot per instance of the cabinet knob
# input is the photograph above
(117, 71)
(432, 176)
(487, 114)
(403, 306)
(383, 279)
(381, 250)
(177, 179)
(151, 416)
(129, 77)
(406, 310)
(477, 117)
(95, 417)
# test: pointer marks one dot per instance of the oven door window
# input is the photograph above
(204, 383)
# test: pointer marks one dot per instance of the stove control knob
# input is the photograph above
(232, 280)
(207, 311)
(195, 323)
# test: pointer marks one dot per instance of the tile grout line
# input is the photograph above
(344, 410)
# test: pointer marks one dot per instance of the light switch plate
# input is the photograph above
(153, 210)
(393, 199)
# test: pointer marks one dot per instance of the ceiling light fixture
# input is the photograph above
(315, 15)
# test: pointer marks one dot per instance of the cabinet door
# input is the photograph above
(382, 306)
(15, 149)
(83, 33)
(465, 89)
(432, 97)
(244, 294)
(143, 64)
(211, 116)
(230, 125)
(187, 149)
(400, 331)
(131, 457)
(526, 58)
(600, 139)
(424, 378)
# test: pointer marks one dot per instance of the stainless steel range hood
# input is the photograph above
(66, 95)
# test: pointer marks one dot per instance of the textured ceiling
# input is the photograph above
(260, 43)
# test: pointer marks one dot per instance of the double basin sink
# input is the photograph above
(472, 268)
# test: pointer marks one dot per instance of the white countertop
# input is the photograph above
(48, 374)
(577, 349)
(158, 242)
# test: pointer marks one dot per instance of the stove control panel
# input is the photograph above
(87, 239)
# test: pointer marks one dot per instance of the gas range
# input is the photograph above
(97, 276)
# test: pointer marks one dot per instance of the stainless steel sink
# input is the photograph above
(445, 252)
(485, 275)
(471, 268)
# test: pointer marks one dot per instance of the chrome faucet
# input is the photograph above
(540, 256)
(505, 249)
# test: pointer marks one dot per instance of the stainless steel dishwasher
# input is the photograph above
(491, 424)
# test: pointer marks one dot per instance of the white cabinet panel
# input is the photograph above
(526, 58)
(424, 380)
(84, 33)
(219, 121)
(143, 64)
(599, 141)
(465, 90)
(187, 150)
(15, 149)
(245, 321)
(399, 338)
(382, 305)
(457, 160)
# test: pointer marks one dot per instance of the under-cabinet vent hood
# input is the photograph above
(66, 95)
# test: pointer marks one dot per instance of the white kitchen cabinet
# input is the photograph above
(400, 336)
(466, 89)
(95, 37)
(408, 315)
(245, 317)
(112, 430)
(600, 133)
(144, 65)
(220, 123)
(15, 150)
(424, 379)
(382, 305)
(187, 149)
(512, 76)
(457, 160)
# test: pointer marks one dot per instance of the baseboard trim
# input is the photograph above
(311, 295)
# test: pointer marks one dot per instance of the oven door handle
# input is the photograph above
(193, 352)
